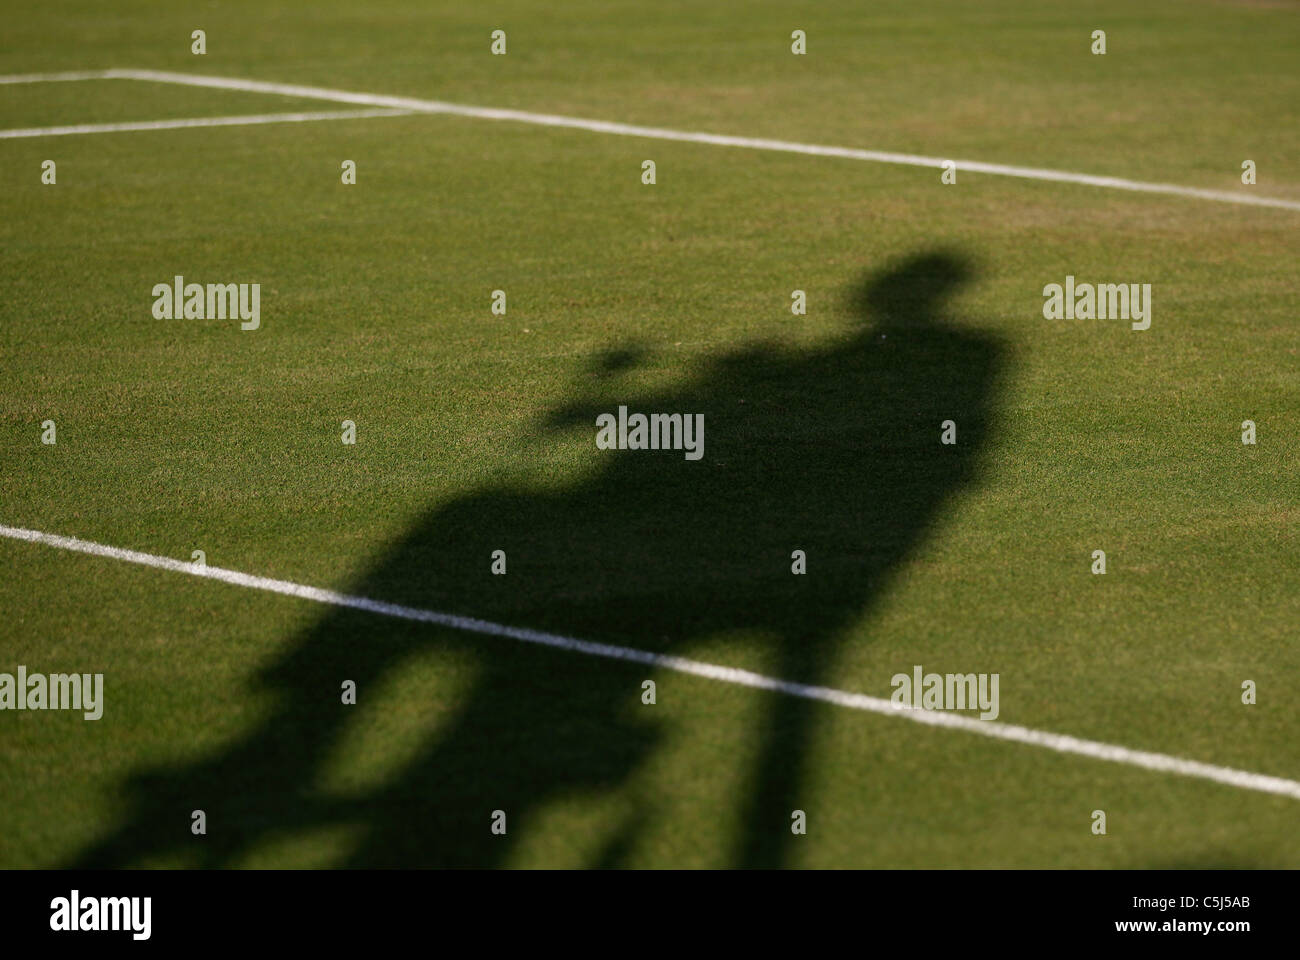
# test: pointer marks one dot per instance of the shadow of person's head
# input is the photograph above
(913, 293)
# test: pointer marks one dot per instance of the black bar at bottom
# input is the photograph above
(613, 910)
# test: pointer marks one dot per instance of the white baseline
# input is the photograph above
(416, 105)
(237, 121)
(1060, 743)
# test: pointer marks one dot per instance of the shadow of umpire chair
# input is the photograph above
(833, 450)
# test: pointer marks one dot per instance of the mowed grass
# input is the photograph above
(1080, 435)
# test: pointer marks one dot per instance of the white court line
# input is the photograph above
(56, 77)
(238, 121)
(854, 701)
(660, 133)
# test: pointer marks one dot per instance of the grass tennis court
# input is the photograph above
(475, 433)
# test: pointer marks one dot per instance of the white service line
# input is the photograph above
(56, 77)
(416, 105)
(237, 121)
(1060, 743)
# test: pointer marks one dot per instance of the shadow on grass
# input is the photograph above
(833, 450)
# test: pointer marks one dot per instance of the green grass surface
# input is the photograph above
(476, 431)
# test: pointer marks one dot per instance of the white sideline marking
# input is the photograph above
(854, 701)
(660, 133)
(200, 122)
